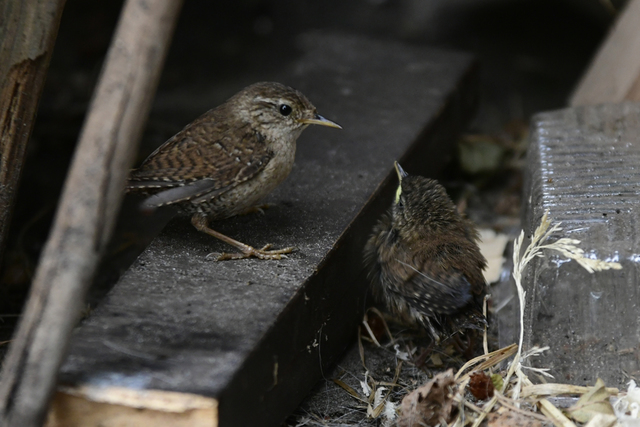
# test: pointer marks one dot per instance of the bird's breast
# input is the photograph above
(280, 165)
(251, 192)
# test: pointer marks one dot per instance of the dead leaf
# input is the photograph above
(492, 246)
(480, 153)
(602, 420)
(436, 360)
(593, 402)
(430, 404)
(480, 386)
(497, 381)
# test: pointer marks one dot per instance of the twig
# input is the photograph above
(91, 199)
(485, 361)
(507, 403)
(485, 411)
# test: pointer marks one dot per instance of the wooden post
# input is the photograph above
(90, 201)
(614, 74)
(27, 35)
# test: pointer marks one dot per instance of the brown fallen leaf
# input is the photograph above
(480, 386)
(430, 404)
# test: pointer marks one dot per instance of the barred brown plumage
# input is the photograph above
(224, 162)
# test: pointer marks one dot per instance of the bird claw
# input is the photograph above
(258, 209)
(212, 255)
(257, 253)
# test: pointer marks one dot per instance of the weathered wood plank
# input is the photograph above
(119, 407)
(254, 335)
(583, 168)
(614, 74)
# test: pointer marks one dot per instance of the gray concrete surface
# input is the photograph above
(584, 168)
(258, 334)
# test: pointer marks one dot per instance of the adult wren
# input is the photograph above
(224, 162)
(424, 262)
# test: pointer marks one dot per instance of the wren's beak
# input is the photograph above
(319, 120)
(401, 172)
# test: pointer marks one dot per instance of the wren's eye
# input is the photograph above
(285, 109)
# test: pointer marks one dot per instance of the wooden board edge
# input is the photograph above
(91, 406)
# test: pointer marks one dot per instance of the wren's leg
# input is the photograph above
(429, 326)
(200, 222)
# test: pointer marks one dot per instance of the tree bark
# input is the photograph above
(86, 215)
(27, 35)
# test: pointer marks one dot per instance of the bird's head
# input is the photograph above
(275, 109)
(421, 205)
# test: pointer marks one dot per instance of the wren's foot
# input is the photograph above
(200, 222)
(248, 252)
(257, 209)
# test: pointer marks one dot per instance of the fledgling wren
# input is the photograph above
(424, 262)
(224, 162)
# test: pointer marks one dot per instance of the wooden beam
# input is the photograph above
(90, 201)
(27, 36)
(255, 335)
(614, 74)
(123, 407)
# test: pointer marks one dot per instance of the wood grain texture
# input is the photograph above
(122, 407)
(27, 36)
(86, 214)
(614, 74)
(259, 334)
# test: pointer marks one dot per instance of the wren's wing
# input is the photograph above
(205, 159)
(185, 192)
(431, 289)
